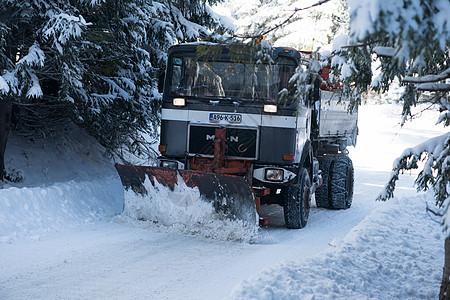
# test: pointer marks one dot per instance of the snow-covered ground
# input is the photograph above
(62, 234)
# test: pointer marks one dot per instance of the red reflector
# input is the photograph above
(288, 156)
(162, 148)
(263, 221)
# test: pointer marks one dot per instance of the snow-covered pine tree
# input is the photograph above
(411, 40)
(98, 58)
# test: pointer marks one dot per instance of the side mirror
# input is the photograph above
(316, 93)
(162, 75)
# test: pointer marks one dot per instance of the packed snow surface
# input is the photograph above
(28, 212)
(386, 248)
(64, 234)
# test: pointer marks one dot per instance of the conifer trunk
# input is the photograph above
(445, 285)
(5, 126)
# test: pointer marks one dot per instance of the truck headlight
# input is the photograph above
(270, 108)
(179, 102)
(274, 175)
(173, 164)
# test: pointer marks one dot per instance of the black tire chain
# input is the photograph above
(291, 208)
(341, 194)
(323, 192)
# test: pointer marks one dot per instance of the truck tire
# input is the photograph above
(322, 193)
(341, 182)
(297, 202)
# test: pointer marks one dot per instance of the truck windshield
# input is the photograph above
(226, 79)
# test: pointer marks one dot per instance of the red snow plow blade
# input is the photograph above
(230, 195)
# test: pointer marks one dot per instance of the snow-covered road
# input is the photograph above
(109, 260)
(124, 259)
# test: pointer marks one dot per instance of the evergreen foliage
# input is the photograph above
(102, 58)
(411, 42)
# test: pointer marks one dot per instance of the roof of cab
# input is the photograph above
(277, 51)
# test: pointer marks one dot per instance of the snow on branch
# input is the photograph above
(444, 108)
(430, 82)
(34, 58)
(62, 27)
(190, 30)
(35, 91)
(92, 3)
(435, 154)
(384, 51)
(363, 44)
(11, 80)
(117, 89)
(340, 60)
(429, 78)
(219, 19)
(434, 87)
(4, 87)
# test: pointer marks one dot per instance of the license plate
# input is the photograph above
(230, 118)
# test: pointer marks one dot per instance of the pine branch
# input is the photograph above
(434, 212)
(429, 78)
(362, 44)
(435, 174)
(434, 101)
(434, 87)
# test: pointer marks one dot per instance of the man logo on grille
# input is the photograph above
(232, 138)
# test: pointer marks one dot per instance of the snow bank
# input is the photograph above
(182, 211)
(66, 181)
(56, 157)
(30, 212)
(374, 261)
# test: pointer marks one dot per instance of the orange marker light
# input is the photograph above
(289, 157)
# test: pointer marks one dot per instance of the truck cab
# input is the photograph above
(224, 115)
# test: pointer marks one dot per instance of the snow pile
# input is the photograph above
(374, 261)
(30, 212)
(181, 211)
(65, 181)
(61, 157)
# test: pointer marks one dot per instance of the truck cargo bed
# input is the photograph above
(334, 118)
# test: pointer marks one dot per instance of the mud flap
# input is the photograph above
(230, 195)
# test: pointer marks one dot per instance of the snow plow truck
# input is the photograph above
(225, 131)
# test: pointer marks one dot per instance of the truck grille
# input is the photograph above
(240, 142)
